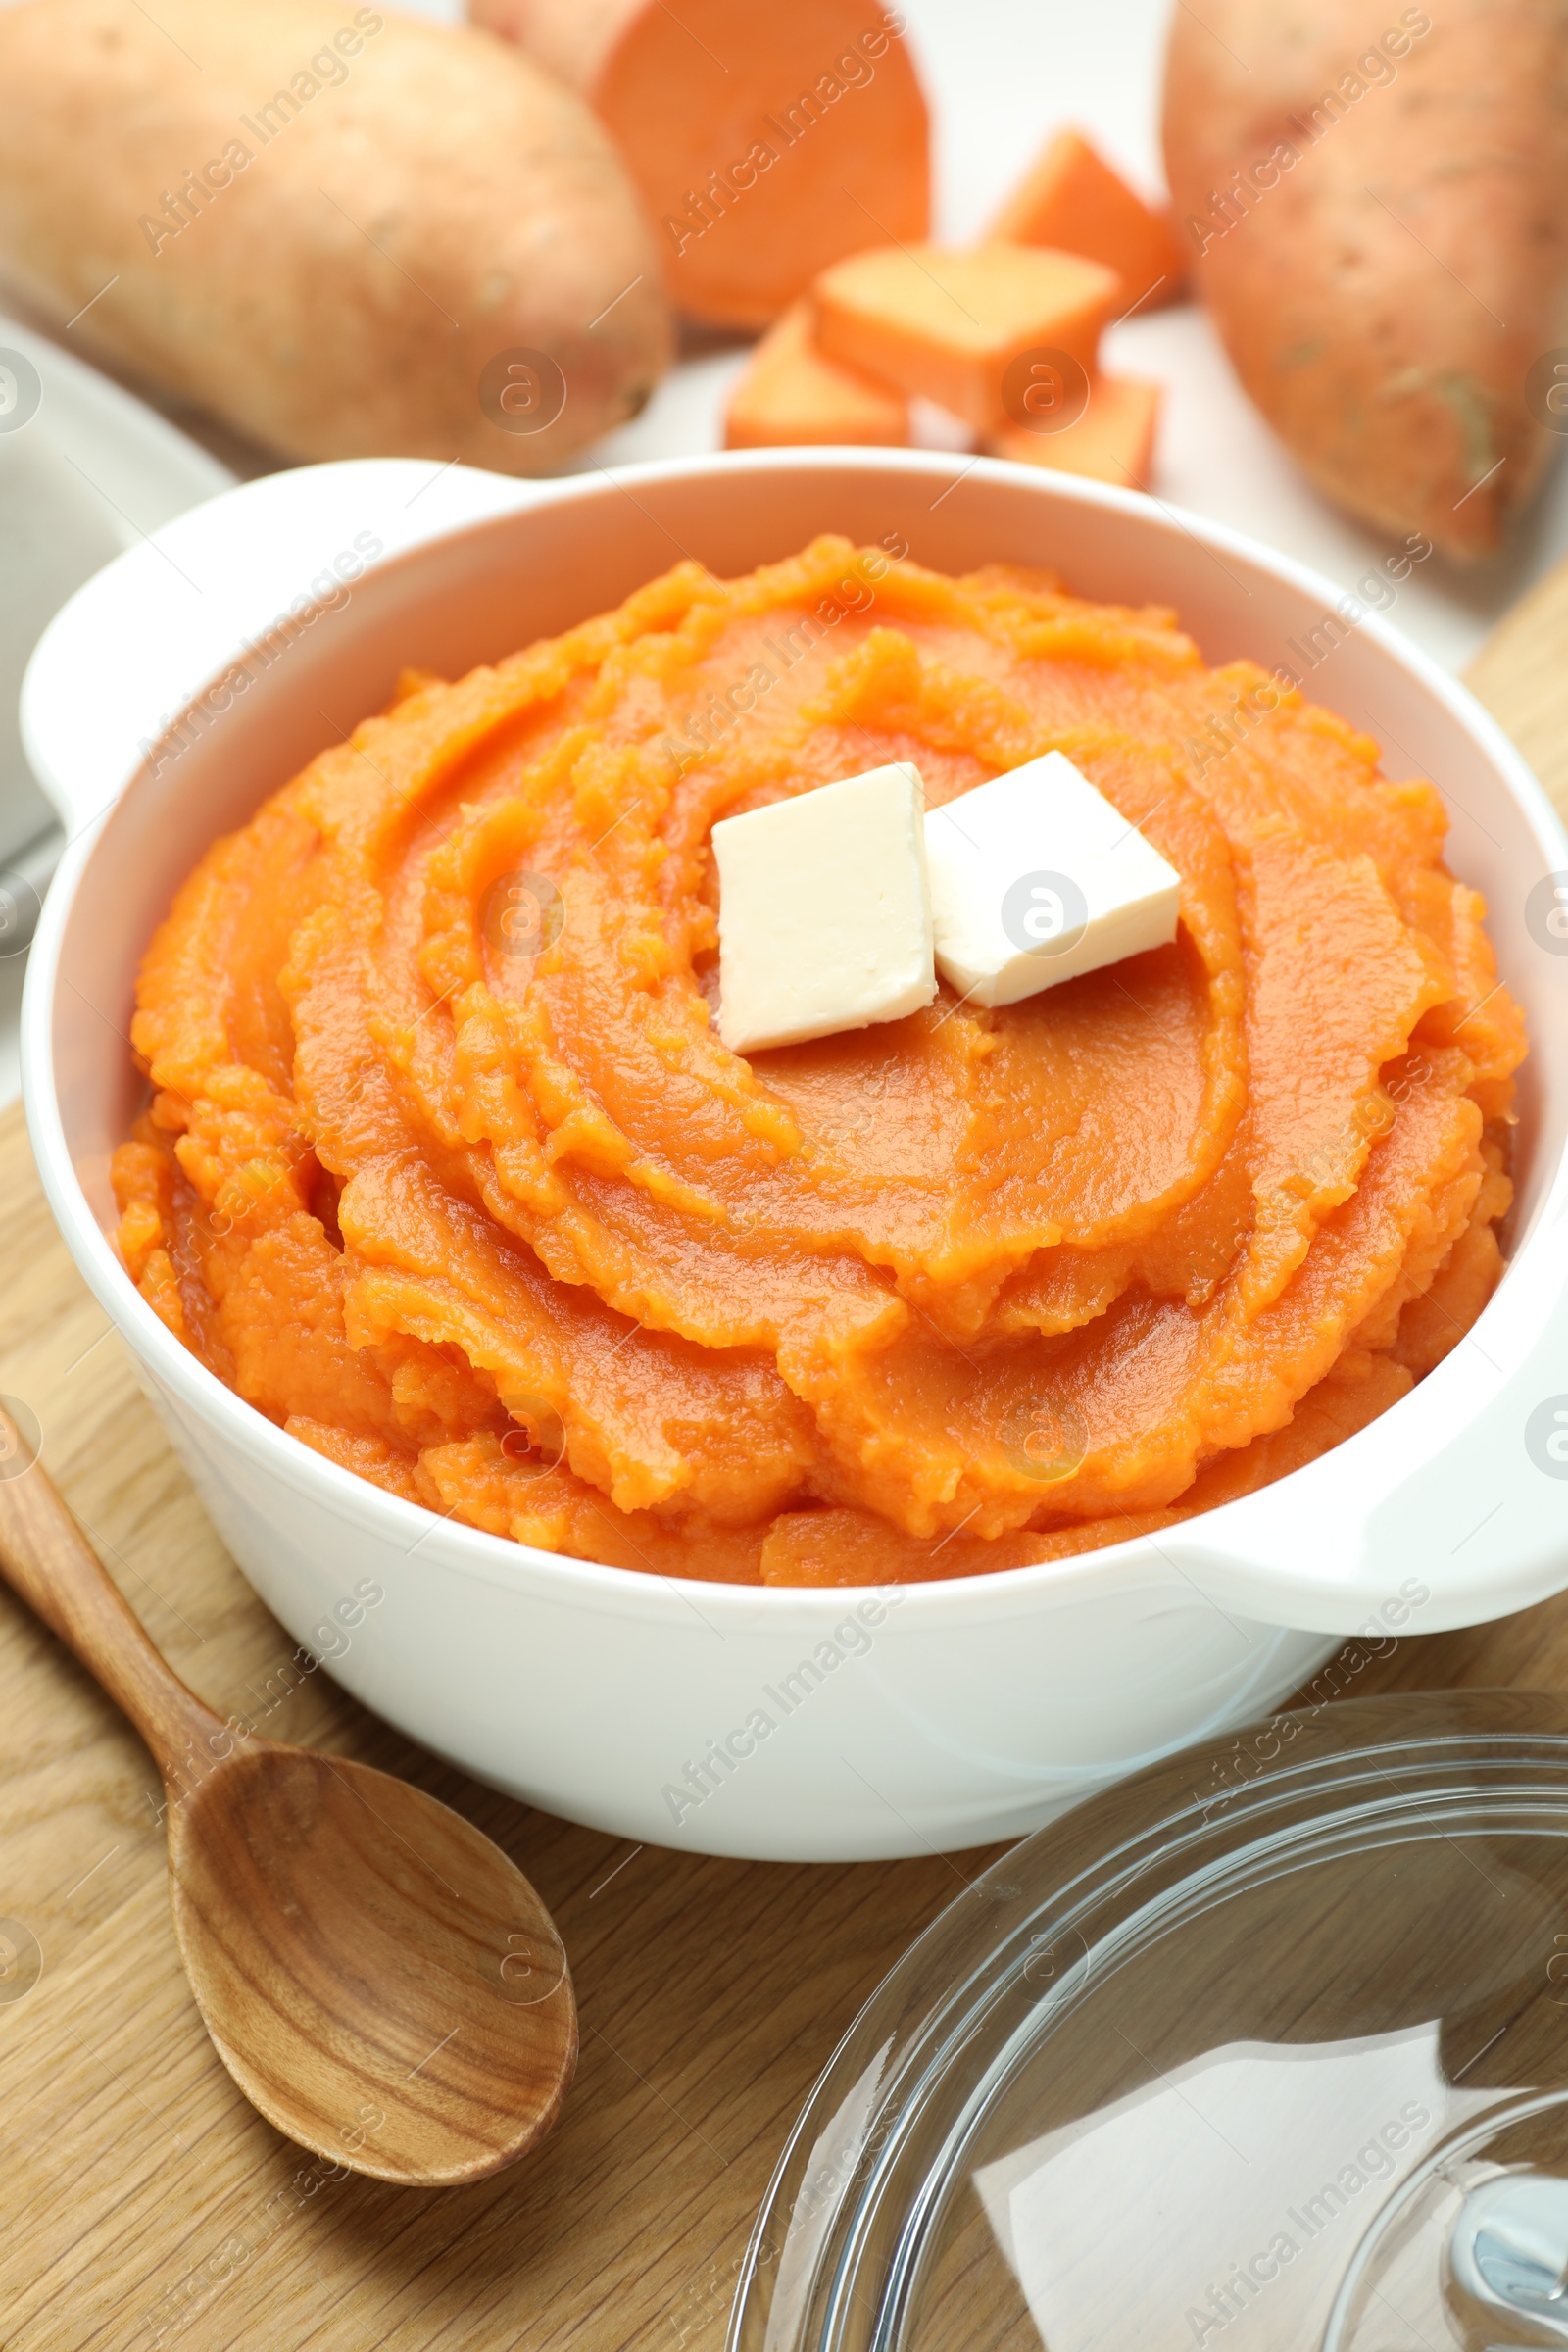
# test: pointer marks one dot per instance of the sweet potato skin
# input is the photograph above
(767, 140)
(1383, 268)
(337, 287)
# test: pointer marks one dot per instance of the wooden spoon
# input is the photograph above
(381, 1983)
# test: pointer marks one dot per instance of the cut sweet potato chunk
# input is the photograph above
(948, 323)
(1113, 441)
(792, 394)
(1073, 200)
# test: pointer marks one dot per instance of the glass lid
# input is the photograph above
(1264, 2049)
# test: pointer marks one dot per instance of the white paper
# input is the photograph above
(1220, 2204)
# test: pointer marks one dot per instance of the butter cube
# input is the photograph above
(1035, 878)
(824, 918)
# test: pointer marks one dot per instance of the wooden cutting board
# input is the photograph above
(145, 2203)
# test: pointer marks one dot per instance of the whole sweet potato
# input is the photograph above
(345, 232)
(1375, 199)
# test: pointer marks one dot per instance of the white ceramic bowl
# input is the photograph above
(948, 1714)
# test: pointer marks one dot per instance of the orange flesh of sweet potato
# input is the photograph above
(949, 323)
(767, 142)
(1377, 206)
(1074, 201)
(791, 394)
(1113, 441)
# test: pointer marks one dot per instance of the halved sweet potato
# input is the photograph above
(767, 141)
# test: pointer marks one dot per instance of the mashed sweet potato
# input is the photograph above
(446, 1170)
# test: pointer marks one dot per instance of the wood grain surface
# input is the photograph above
(147, 2205)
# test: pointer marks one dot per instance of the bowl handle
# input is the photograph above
(1449, 1509)
(121, 659)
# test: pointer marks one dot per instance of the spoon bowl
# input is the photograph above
(384, 1985)
(400, 1999)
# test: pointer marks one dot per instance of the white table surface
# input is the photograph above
(1002, 76)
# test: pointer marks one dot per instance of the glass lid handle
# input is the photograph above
(1509, 2248)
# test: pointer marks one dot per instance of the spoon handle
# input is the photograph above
(47, 1560)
